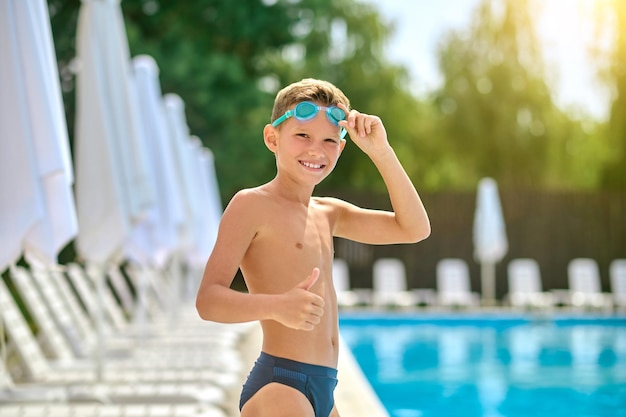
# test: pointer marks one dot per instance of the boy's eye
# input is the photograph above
(331, 140)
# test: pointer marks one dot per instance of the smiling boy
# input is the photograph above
(282, 239)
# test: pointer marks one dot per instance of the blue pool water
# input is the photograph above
(482, 366)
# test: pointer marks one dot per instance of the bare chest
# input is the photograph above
(304, 234)
(293, 242)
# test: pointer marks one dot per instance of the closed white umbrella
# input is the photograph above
(167, 215)
(154, 241)
(187, 182)
(36, 200)
(37, 212)
(112, 187)
(20, 201)
(184, 166)
(490, 241)
(206, 223)
(214, 208)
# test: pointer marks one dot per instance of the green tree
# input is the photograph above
(498, 116)
(494, 115)
(227, 59)
(612, 25)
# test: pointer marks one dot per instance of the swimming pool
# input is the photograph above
(487, 366)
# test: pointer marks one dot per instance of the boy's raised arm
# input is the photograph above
(408, 222)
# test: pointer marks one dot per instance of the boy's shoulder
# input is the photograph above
(250, 194)
(251, 199)
(247, 199)
(248, 208)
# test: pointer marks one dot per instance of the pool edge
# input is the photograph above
(354, 395)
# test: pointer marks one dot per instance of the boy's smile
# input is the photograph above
(312, 165)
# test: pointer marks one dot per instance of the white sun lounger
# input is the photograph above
(346, 297)
(99, 400)
(68, 313)
(389, 284)
(178, 355)
(617, 273)
(41, 370)
(122, 290)
(584, 284)
(55, 287)
(525, 287)
(86, 291)
(121, 385)
(453, 284)
(109, 410)
(116, 393)
(191, 329)
(50, 336)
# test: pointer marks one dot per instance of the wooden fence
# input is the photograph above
(551, 227)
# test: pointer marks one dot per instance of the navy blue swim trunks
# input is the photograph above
(316, 382)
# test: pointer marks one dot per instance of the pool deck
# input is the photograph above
(354, 396)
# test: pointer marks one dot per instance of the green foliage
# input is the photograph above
(498, 117)
(227, 59)
(613, 72)
(493, 116)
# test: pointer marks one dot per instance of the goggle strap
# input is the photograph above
(282, 118)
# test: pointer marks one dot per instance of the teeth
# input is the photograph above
(310, 165)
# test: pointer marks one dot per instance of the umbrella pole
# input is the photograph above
(99, 278)
(3, 352)
(175, 283)
(488, 281)
(141, 308)
(7, 380)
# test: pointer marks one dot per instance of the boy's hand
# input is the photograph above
(367, 131)
(299, 308)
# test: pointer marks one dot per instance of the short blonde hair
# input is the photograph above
(308, 89)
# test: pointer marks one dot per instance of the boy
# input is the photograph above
(282, 239)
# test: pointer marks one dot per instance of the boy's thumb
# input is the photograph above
(310, 280)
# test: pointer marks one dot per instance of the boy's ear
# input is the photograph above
(270, 137)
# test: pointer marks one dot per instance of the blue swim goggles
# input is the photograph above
(306, 110)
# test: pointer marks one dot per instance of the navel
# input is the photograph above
(299, 245)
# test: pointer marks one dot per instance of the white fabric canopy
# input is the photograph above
(490, 241)
(198, 184)
(112, 185)
(36, 201)
(113, 188)
(207, 222)
(183, 163)
(154, 240)
(214, 208)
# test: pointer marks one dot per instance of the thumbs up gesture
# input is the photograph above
(300, 308)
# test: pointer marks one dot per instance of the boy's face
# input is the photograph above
(306, 149)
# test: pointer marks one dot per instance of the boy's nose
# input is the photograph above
(315, 149)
